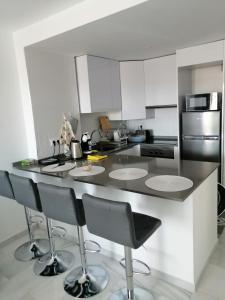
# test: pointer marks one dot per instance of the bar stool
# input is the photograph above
(26, 193)
(55, 205)
(116, 222)
(61, 204)
(5, 185)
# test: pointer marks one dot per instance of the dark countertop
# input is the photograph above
(195, 170)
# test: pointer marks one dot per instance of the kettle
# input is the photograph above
(116, 135)
(75, 148)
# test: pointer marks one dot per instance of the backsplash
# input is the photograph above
(163, 121)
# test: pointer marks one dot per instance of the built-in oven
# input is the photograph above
(157, 150)
(203, 102)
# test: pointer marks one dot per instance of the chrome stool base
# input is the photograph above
(49, 265)
(80, 285)
(32, 250)
(139, 294)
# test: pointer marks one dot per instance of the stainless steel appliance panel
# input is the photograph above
(157, 150)
(201, 123)
(201, 149)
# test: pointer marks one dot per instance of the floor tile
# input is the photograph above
(19, 277)
(213, 282)
(202, 296)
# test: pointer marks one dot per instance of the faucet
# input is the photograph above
(93, 132)
(122, 128)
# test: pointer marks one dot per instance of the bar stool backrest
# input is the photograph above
(111, 220)
(5, 185)
(60, 203)
(25, 192)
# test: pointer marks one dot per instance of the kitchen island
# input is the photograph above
(180, 249)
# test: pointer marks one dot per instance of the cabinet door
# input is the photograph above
(132, 90)
(116, 101)
(98, 84)
(99, 73)
(83, 84)
(161, 81)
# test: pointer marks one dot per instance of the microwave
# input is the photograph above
(203, 102)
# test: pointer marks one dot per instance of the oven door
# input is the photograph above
(157, 150)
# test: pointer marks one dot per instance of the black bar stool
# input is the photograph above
(26, 193)
(116, 222)
(60, 203)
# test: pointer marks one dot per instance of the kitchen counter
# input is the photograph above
(194, 170)
(181, 247)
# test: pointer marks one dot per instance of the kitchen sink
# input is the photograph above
(105, 146)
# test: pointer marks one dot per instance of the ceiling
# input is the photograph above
(152, 29)
(15, 14)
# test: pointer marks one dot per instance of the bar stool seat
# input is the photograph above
(144, 227)
(116, 222)
(26, 193)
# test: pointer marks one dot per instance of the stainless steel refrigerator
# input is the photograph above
(201, 136)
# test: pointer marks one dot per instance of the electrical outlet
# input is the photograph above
(52, 141)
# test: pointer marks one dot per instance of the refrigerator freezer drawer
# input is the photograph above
(201, 123)
(202, 150)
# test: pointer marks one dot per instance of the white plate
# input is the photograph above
(55, 168)
(169, 183)
(95, 170)
(128, 174)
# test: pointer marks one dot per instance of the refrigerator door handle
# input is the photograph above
(212, 138)
(203, 138)
(192, 137)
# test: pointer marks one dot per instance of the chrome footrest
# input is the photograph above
(36, 219)
(59, 231)
(145, 273)
(98, 247)
(220, 221)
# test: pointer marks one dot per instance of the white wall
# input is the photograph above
(207, 79)
(64, 21)
(12, 133)
(53, 90)
(162, 121)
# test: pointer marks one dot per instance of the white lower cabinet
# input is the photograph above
(134, 151)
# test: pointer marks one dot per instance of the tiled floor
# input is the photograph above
(17, 281)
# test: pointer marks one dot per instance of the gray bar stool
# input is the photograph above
(5, 185)
(60, 203)
(56, 206)
(116, 222)
(26, 193)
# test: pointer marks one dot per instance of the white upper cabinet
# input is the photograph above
(133, 90)
(202, 54)
(161, 81)
(98, 84)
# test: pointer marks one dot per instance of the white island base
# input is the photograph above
(179, 250)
